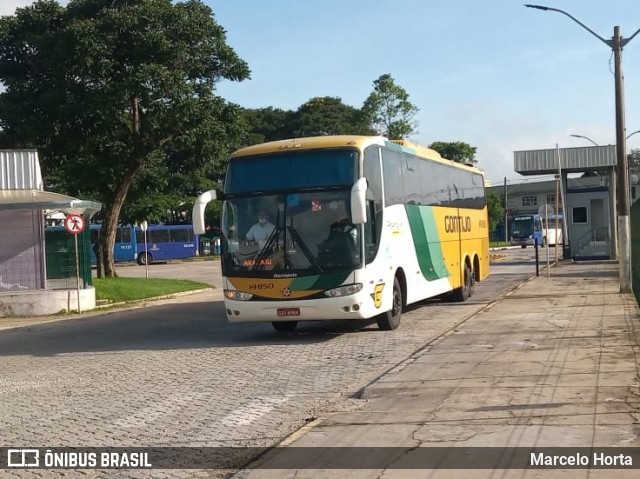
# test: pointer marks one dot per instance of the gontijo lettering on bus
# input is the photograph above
(457, 224)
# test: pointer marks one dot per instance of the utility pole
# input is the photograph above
(617, 43)
(506, 213)
(624, 223)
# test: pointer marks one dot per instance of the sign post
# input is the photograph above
(546, 210)
(144, 226)
(75, 224)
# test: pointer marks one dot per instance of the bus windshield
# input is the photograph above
(300, 169)
(295, 234)
(522, 226)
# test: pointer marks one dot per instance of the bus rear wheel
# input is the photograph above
(391, 319)
(466, 290)
(284, 326)
(144, 258)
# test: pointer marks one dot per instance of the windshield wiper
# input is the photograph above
(266, 249)
(305, 250)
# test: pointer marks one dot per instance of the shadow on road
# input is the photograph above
(163, 327)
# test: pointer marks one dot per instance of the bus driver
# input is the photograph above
(260, 231)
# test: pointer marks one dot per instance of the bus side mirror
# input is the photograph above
(359, 202)
(199, 207)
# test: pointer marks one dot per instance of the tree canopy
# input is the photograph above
(495, 210)
(458, 151)
(318, 116)
(117, 94)
(388, 109)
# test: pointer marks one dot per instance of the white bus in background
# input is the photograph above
(552, 233)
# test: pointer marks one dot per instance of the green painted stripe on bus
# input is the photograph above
(426, 242)
(320, 282)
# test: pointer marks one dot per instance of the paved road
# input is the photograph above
(176, 373)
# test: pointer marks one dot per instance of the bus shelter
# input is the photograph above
(589, 213)
(29, 283)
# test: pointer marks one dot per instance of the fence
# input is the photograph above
(61, 259)
(635, 248)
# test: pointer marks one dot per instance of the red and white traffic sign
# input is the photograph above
(74, 224)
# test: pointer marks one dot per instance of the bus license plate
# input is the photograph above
(288, 311)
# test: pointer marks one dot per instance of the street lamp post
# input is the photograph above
(586, 138)
(617, 43)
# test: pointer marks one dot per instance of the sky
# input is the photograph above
(492, 73)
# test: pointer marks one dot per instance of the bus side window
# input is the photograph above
(124, 235)
(370, 240)
(373, 226)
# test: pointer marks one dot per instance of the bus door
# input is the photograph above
(125, 245)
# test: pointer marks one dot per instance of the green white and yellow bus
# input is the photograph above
(358, 227)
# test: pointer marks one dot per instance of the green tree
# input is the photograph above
(634, 159)
(456, 151)
(388, 109)
(495, 211)
(267, 124)
(106, 89)
(317, 117)
(328, 115)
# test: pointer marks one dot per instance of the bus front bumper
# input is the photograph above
(521, 242)
(347, 307)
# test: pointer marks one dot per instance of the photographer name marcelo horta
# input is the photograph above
(595, 459)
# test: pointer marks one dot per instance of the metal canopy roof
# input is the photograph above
(573, 160)
(46, 200)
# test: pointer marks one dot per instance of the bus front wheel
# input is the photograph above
(284, 326)
(144, 258)
(391, 319)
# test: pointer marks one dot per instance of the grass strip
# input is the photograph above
(117, 290)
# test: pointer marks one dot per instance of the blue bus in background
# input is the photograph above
(164, 242)
(124, 249)
(531, 229)
(526, 230)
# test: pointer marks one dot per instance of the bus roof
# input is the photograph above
(309, 143)
(337, 141)
(425, 152)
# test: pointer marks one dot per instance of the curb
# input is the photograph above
(151, 298)
(17, 322)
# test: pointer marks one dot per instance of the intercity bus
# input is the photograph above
(360, 227)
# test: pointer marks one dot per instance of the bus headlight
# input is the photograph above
(237, 295)
(343, 290)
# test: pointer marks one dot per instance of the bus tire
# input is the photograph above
(391, 319)
(466, 290)
(284, 326)
(144, 258)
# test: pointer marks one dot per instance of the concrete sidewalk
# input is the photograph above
(556, 363)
